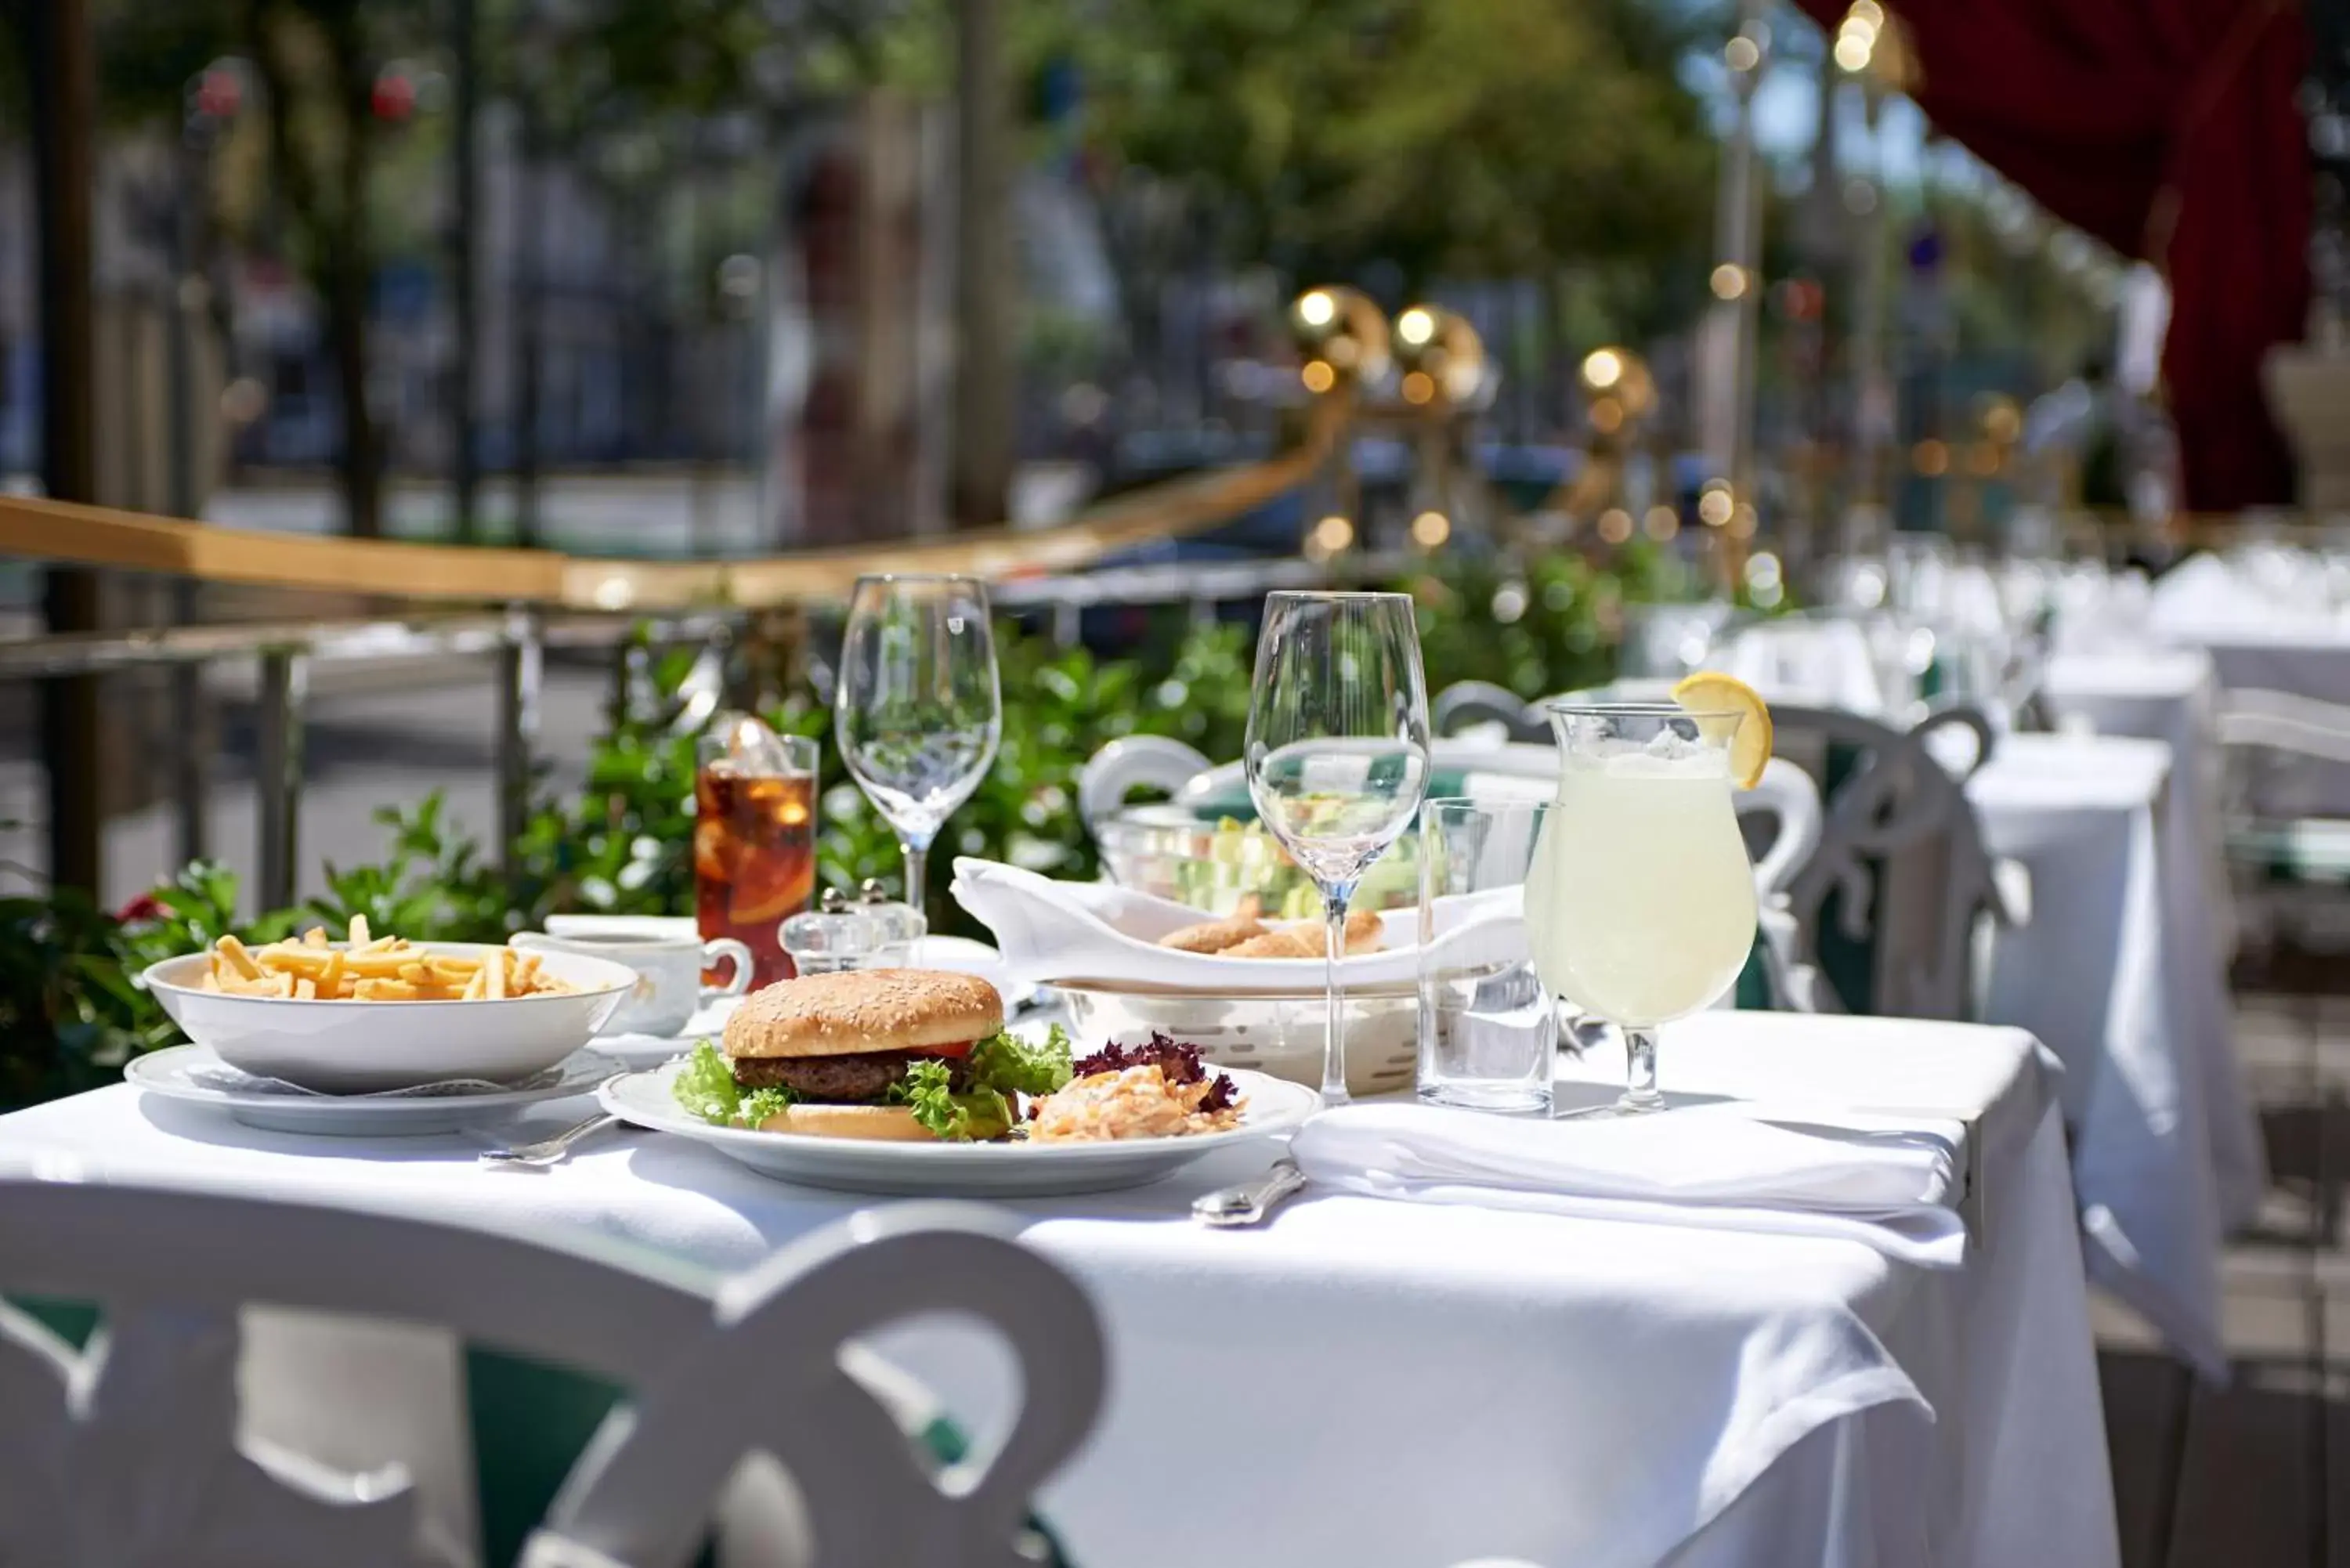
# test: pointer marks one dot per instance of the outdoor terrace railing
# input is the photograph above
(540, 600)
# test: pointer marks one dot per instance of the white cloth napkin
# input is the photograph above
(1050, 930)
(1892, 1188)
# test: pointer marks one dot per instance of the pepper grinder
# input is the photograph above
(832, 936)
(898, 926)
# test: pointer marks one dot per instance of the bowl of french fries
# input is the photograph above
(376, 1012)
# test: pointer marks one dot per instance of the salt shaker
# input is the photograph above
(898, 926)
(832, 936)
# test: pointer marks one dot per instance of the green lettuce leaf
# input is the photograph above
(1003, 1063)
(925, 1091)
(705, 1086)
(761, 1103)
(980, 1113)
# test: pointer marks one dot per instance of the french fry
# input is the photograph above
(239, 961)
(387, 968)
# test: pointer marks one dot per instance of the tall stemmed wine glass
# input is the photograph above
(1337, 752)
(918, 711)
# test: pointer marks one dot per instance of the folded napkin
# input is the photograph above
(1892, 1189)
(1050, 930)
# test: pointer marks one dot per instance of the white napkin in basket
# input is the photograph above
(1891, 1187)
(1050, 930)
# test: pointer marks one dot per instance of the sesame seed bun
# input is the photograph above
(860, 1011)
(875, 1124)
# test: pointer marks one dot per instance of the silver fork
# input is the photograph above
(546, 1151)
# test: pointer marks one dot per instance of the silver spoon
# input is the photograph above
(546, 1151)
(1248, 1203)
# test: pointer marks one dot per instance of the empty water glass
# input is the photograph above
(1487, 1027)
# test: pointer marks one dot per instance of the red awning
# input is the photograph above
(2170, 130)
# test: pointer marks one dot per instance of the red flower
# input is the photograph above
(144, 907)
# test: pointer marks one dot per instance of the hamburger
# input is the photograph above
(892, 1054)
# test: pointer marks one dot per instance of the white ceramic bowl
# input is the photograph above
(364, 1047)
(1278, 1034)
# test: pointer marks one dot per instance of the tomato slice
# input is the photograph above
(953, 1048)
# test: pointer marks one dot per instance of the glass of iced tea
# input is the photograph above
(754, 840)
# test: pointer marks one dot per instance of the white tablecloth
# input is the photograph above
(2170, 695)
(1369, 1383)
(2166, 1152)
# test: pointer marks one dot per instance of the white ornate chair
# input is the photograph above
(1133, 762)
(2288, 844)
(1901, 853)
(131, 1451)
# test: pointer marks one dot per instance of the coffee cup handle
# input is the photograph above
(727, 949)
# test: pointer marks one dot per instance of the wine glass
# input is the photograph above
(918, 711)
(1640, 901)
(1337, 752)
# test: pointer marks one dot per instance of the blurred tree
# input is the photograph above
(328, 103)
(1439, 135)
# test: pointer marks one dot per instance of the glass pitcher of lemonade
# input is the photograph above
(1640, 900)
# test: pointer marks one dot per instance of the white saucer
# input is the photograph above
(708, 1022)
(173, 1075)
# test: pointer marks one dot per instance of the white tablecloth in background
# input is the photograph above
(2165, 1152)
(1364, 1383)
(2170, 695)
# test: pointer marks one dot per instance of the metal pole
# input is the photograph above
(284, 681)
(521, 668)
(464, 264)
(985, 377)
(1727, 368)
(62, 67)
(1872, 385)
(191, 728)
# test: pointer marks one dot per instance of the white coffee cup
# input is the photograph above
(668, 968)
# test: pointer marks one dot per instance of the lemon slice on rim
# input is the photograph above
(1712, 691)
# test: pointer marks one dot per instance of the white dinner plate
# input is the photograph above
(178, 1073)
(957, 1169)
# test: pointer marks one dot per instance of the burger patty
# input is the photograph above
(864, 1076)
